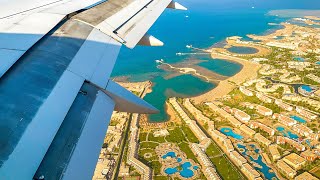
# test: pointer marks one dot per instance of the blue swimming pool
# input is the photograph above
(263, 168)
(287, 133)
(186, 172)
(300, 59)
(229, 132)
(318, 63)
(306, 88)
(171, 171)
(185, 169)
(299, 119)
(169, 154)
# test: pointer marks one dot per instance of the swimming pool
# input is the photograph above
(263, 168)
(299, 119)
(287, 133)
(306, 88)
(169, 154)
(229, 132)
(300, 59)
(185, 169)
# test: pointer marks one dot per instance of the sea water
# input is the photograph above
(206, 22)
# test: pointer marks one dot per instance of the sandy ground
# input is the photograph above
(249, 71)
(312, 18)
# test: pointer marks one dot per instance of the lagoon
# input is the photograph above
(243, 50)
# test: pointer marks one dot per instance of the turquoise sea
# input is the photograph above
(205, 23)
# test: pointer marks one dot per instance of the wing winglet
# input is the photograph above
(175, 5)
(148, 40)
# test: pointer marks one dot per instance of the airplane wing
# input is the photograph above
(56, 98)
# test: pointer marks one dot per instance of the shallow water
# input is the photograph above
(208, 22)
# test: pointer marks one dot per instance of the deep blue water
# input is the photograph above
(208, 22)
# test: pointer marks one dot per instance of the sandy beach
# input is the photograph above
(249, 71)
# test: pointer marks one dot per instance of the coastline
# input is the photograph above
(248, 71)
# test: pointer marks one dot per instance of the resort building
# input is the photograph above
(305, 176)
(295, 161)
(195, 112)
(283, 105)
(263, 127)
(286, 120)
(240, 115)
(305, 113)
(263, 97)
(293, 143)
(191, 123)
(217, 135)
(234, 121)
(211, 173)
(263, 110)
(201, 156)
(160, 133)
(305, 131)
(261, 139)
(205, 162)
(249, 171)
(309, 155)
(313, 77)
(273, 148)
(299, 65)
(237, 158)
(247, 130)
(204, 144)
(245, 91)
(224, 114)
(247, 105)
(283, 45)
(286, 169)
(228, 145)
(196, 130)
(177, 107)
(133, 151)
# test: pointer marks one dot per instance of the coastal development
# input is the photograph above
(262, 123)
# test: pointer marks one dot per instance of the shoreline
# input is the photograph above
(225, 86)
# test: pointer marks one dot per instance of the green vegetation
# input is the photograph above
(186, 149)
(219, 124)
(306, 80)
(148, 145)
(175, 135)
(160, 178)
(223, 165)
(206, 110)
(189, 134)
(156, 139)
(143, 137)
(239, 97)
(212, 150)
